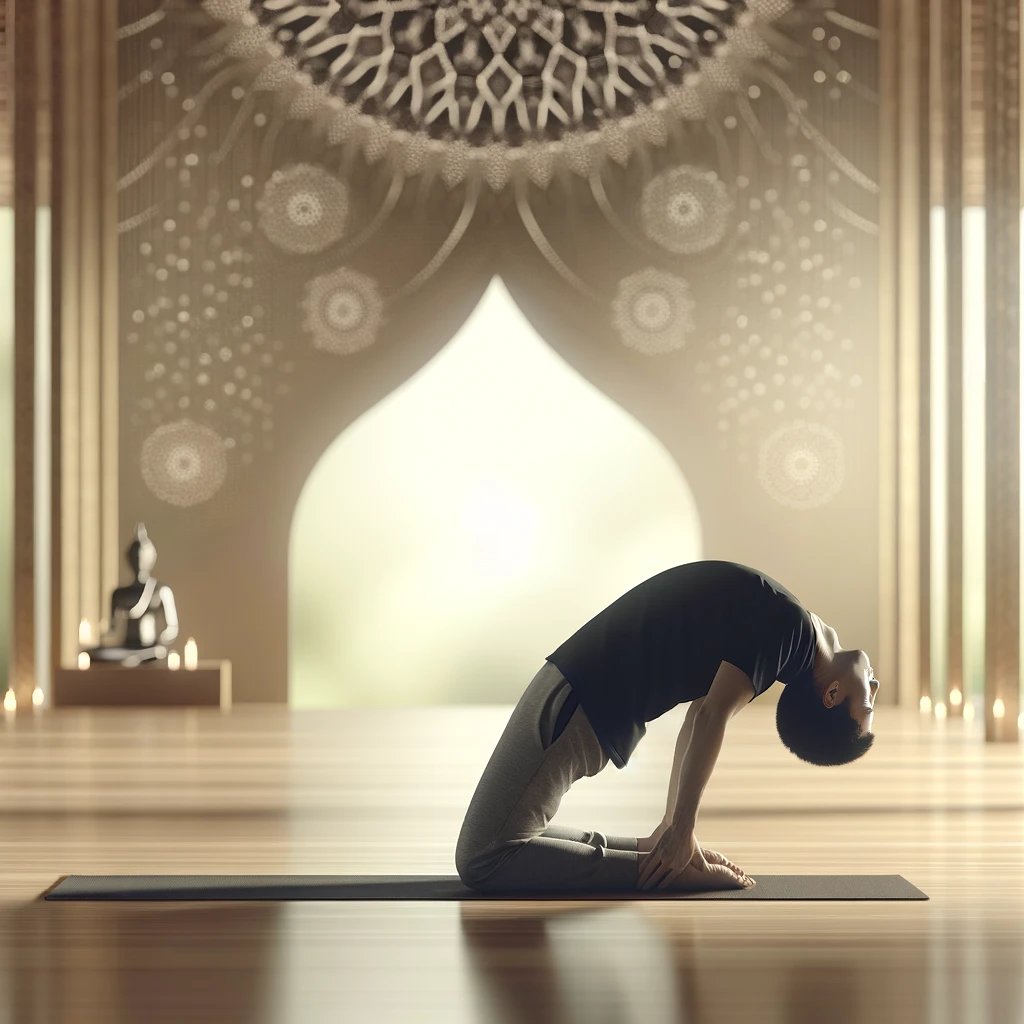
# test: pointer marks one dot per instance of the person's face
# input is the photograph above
(858, 686)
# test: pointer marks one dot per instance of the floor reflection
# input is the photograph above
(599, 964)
(592, 963)
(133, 962)
(507, 963)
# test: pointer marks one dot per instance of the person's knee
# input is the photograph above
(469, 861)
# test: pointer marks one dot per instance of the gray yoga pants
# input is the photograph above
(505, 843)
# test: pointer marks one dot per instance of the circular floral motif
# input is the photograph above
(184, 463)
(801, 465)
(653, 311)
(344, 311)
(685, 209)
(303, 209)
(498, 82)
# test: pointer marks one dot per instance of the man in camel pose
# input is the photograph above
(713, 634)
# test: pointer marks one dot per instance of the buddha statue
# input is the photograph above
(143, 617)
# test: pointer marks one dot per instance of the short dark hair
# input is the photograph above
(815, 733)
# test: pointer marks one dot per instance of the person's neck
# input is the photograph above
(824, 661)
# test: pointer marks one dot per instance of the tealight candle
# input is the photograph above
(998, 708)
(926, 705)
(37, 697)
(955, 697)
(10, 701)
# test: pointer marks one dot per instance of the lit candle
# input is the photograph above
(968, 712)
(174, 661)
(926, 705)
(955, 698)
(940, 710)
(37, 697)
(84, 661)
(10, 701)
(85, 633)
(998, 708)
(191, 654)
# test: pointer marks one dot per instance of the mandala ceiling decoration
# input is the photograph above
(734, 189)
(801, 465)
(653, 311)
(303, 209)
(498, 86)
(184, 463)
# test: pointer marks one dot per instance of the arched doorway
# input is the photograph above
(460, 529)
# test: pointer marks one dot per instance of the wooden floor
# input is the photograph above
(268, 790)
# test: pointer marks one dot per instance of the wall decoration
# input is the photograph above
(494, 89)
(682, 197)
(303, 209)
(653, 311)
(801, 465)
(685, 209)
(344, 311)
(184, 463)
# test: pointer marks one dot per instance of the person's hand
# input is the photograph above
(676, 861)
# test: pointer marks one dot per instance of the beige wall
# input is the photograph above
(222, 301)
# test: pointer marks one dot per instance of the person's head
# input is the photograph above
(828, 721)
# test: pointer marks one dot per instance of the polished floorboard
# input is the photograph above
(268, 790)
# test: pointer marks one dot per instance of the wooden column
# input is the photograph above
(24, 26)
(1002, 369)
(888, 663)
(85, 356)
(949, 120)
(918, 365)
(906, 316)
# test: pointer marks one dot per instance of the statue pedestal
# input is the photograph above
(145, 686)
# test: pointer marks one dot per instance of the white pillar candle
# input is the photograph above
(85, 633)
(174, 661)
(84, 661)
(191, 654)
(10, 701)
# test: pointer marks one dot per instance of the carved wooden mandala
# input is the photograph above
(495, 85)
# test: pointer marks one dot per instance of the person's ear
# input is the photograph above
(829, 698)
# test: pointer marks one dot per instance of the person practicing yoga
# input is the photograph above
(713, 634)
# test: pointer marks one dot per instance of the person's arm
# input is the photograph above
(675, 857)
(698, 762)
(682, 742)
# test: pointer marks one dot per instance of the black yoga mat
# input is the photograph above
(448, 887)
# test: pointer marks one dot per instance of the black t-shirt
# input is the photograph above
(662, 643)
